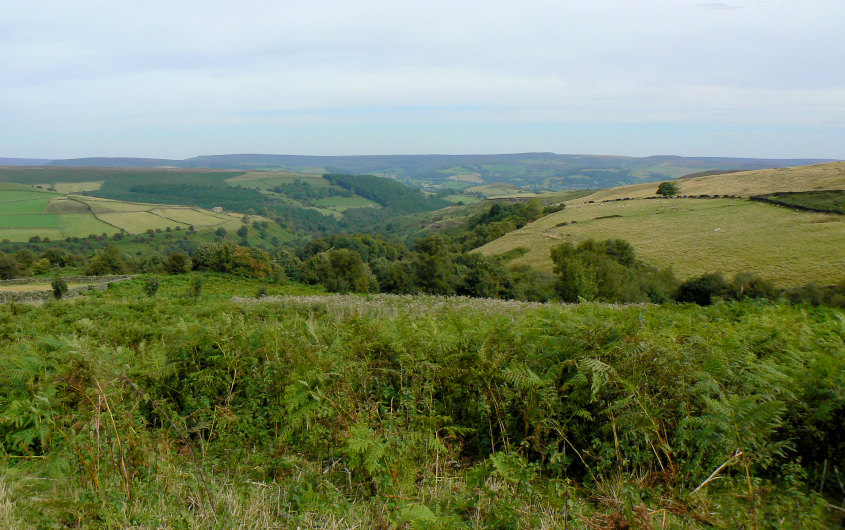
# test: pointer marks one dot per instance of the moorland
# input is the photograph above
(340, 350)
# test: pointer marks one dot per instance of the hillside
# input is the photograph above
(696, 236)
(27, 212)
(306, 203)
(829, 176)
(534, 171)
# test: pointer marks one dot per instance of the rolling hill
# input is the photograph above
(828, 176)
(534, 171)
(696, 236)
(26, 212)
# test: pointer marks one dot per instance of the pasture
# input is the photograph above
(696, 236)
(829, 176)
(500, 191)
(26, 212)
(345, 203)
(266, 180)
(77, 187)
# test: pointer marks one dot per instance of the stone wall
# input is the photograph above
(98, 283)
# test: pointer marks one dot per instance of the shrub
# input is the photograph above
(342, 270)
(151, 285)
(701, 289)
(195, 288)
(59, 286)
(107, 261)
(41, 266)
(177, 263)
(230, 258)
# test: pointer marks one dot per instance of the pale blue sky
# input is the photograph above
(179, 79)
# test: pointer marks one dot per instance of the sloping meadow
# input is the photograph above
(384, 411)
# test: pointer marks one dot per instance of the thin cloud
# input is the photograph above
(718, 6)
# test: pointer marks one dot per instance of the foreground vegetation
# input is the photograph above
(188, 409)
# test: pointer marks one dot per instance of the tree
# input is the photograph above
(9, 267)
(177, 263)
(668, 189)
(107, 261)
(342, 270)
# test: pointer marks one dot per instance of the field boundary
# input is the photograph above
(775, 202)
(122, 231)
(98, 283)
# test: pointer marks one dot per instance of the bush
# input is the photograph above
(701, 289)
(608, 271)
(195, 288)
(151, 285)
(748, 285)
(107, 261)
(59, 286)
(177, 263)
(41, 266)
(342, 270)
(231, 258)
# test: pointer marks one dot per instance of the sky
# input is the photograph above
(181, 78)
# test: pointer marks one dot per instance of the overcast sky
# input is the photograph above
(181, 78)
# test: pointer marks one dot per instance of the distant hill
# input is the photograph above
(532, 171)
(24, 161)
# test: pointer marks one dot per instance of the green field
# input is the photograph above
(344, 203)
(83, 225)
(26, 212)
(32, 220)
(696, 236)
(830, 200)
(466, 199)
(500, 191)
(37, 205)
(77, 187)
(24, 234)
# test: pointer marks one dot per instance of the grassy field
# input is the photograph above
(466, 199)
(76, 187)
(745, 183)
(270, 179)
(345, 203)
(83, 225)
(29, 220)
(830, 200)
(500, 191)
(33, 287)
(26, 212)
(695, 236)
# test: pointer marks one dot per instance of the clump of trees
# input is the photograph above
(228, 257)
(668, 189)
(608, 271)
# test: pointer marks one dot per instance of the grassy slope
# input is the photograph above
(802, 178)
(788, 247)
(27, 212)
